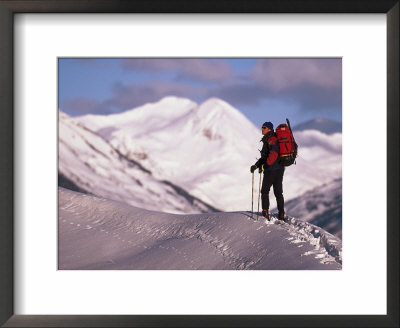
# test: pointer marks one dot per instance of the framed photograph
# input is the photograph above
(145, 146)
(100, 180)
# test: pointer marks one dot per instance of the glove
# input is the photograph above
(261, 169)
(253, 168)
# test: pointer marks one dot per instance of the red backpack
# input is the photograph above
(287, 144)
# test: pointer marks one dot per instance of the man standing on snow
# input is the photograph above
(273, 171)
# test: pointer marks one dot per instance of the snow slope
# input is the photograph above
(97, 233)
(90, 164)
(207, 149)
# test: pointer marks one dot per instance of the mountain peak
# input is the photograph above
(213, 101)
(215, 108)
(173, 100)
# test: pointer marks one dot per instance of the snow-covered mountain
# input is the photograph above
(97, 233)
(207, 149)
(88, 163)
(321, 206)
(320, 124)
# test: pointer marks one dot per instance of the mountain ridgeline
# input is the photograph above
(178, 156)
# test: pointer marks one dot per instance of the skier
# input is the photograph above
(273, 171)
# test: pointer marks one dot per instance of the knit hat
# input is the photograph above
(268, 125)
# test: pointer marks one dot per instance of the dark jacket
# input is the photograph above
(270, 152)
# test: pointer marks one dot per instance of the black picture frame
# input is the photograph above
(10, 7)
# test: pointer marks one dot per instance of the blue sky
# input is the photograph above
(264, 89)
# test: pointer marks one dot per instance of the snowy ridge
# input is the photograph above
(89, 163)
(315, 235)
(98, 233)
(172, 109)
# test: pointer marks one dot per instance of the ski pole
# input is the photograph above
(259, 190)
(252, 192)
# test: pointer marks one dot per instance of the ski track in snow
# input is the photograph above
(96, 233)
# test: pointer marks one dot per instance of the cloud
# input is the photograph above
(127, 96)
(315, 98)
(241, 94)
(149, 65)
(206, 70)
(82, 106)
(96, 63)
(282, 74)
(195, 69)
(309, 84)
(307, 97)
(314, 138)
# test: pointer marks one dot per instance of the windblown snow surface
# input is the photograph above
(98, 233)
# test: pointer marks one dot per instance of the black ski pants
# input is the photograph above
(273, 178)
